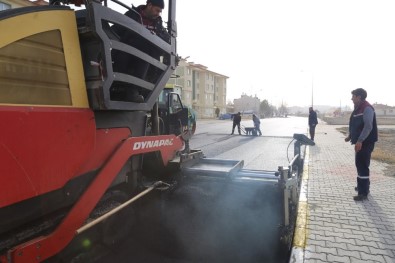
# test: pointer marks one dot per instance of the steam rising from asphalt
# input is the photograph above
(212, 221)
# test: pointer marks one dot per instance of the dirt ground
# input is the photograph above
(384, 149)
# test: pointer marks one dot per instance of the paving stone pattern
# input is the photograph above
(340, 229)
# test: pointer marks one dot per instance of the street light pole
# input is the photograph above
(312, 89)
(312, 86)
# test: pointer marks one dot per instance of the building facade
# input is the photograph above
(203, 90)
(384, 110)
(247, 104)
(9, 4)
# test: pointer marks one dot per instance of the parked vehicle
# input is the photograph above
(225, 116)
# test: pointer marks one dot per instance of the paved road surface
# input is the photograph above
(212, 221)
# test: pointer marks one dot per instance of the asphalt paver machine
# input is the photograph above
(84, 164)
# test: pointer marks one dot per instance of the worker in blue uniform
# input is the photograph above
(363, 134)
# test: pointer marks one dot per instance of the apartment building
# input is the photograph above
(8, 4)
(202, 89)
(247, 103)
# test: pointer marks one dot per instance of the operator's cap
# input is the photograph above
(159, 3)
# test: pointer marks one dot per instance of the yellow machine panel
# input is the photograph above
(40, 63)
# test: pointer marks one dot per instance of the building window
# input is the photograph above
(4, 6)
(189, 71)
(188, 83)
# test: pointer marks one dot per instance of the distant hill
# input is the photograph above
(318, 108)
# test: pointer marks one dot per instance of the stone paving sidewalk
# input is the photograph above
(331, 226)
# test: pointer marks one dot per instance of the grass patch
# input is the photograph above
(384, 148)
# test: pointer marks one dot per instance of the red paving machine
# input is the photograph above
(85, 161)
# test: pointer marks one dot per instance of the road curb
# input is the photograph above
(300, 235)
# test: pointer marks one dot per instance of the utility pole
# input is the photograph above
(340, 106)
(312, 87)
(312, 90)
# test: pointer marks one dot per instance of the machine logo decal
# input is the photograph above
(152, 144)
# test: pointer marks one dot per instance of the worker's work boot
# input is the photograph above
(137, 98)
(356, 189)
(360, 197)
(134, 96)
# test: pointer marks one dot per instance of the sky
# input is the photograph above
(293, 52)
